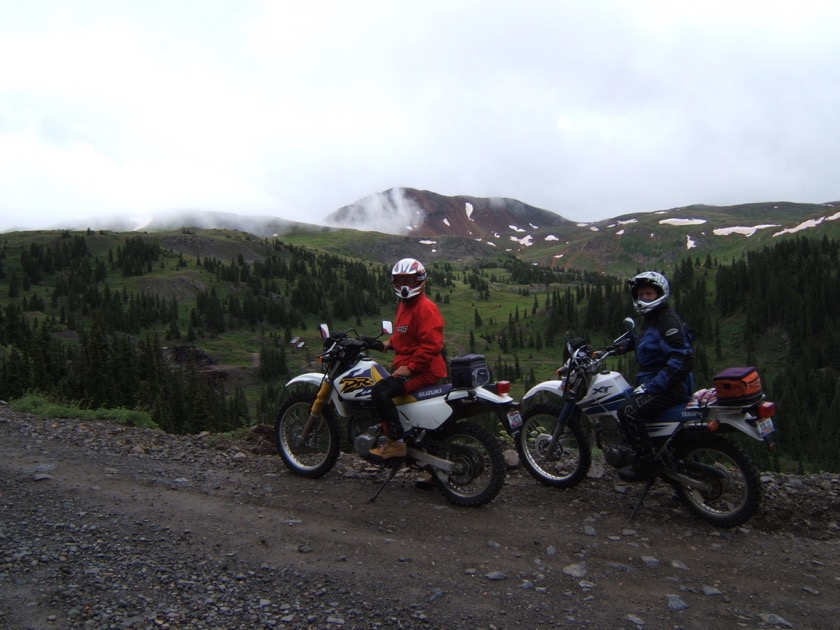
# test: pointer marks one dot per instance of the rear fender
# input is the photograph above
(483, 394)
(735, 420)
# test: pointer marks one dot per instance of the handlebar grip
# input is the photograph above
(373, 344)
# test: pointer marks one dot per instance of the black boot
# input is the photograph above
(645, 466)
(642, 469)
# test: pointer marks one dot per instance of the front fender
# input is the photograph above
(308, 378)
(550, 387)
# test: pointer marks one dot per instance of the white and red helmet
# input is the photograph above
(409, 278)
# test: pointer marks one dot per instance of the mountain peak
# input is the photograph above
(408, 211)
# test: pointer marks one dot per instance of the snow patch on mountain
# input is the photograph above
(746, 231)
(525, 241)
(625, 222)
(808, 224)
(682, 221)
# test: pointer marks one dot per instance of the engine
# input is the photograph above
(367, 440)
(619, 455)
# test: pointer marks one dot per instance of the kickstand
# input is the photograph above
(645, 490)
(392, 469)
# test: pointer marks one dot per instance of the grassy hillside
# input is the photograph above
(179, 275)
(506, 307)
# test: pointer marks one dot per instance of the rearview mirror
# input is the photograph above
(387, 327)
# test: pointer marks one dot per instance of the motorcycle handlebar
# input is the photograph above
(373, 343)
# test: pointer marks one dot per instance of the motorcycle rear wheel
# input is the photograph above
(480, 467)
(572, 456)
(732, 492)
(316, 454)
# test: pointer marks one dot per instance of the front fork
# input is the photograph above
(562, 420)
(315, 411)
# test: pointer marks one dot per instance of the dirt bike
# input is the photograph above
(712, 475)
(465, 459)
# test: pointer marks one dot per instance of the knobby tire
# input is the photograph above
(315, 456)
(565, 468)
(735, 494)
(477, 481)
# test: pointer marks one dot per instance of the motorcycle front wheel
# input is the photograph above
(728, 490)
(568, 462)
(479, 467)
(308, 451)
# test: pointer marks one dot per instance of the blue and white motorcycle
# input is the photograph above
(712, 475)
(465, 458)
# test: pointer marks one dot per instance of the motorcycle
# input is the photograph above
(712, 475)
(465, 459)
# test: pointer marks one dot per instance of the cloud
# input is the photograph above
(295, 109)
(391, 212)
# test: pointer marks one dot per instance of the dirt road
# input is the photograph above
(106, 526)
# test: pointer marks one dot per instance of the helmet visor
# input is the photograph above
(406, 280)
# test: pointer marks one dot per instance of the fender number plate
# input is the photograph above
(765, 427)
(514, 419)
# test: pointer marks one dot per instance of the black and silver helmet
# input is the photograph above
(649, 279)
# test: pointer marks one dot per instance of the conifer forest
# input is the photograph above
(121, 321)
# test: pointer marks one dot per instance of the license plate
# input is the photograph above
(765, 427)
(514, 419)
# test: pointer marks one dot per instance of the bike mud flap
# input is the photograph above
(392, 466)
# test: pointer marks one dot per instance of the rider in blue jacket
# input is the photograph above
(665, 358)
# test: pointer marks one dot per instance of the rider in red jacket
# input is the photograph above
(418, 344)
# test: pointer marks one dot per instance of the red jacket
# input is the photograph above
(418, 341)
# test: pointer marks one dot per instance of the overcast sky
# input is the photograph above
(296, 108)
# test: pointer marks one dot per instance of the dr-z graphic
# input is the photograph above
(355, 383)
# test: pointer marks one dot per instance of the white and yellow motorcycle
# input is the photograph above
(465, 458)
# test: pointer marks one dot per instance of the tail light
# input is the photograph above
(502, 387)
(713, 425)
(766, 410)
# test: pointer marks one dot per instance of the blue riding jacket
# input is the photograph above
(664, 354)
